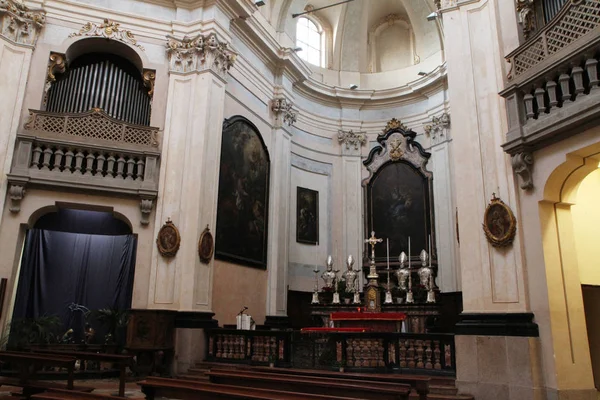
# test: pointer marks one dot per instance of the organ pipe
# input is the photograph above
(102, 81)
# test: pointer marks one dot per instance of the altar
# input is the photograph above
(378, 322)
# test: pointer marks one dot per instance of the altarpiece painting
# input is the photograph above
(399, 193)
(242, 208)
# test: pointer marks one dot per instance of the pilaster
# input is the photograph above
(19, 30)
(352, 194)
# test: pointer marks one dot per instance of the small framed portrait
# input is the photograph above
(168, 239)
(307, 216)
(499, 223)
(206, 246)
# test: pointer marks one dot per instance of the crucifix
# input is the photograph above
(373, 241)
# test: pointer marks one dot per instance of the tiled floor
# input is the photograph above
(111, 386)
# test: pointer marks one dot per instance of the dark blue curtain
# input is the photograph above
(61, 268)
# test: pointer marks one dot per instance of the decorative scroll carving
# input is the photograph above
(146, 209)
(19, 23)
(526, 12)
(397, 143)
(522, 164)
(149, 77)
(393, 124)
(94, 124)
(109, 30)
(281, 106)
(56, 65)
(438, 126)
(351, 138)
(16, 193)
(199, 53)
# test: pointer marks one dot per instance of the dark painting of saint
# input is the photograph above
(307, 216)
(398, 207)
(241, 234)
(498, 221)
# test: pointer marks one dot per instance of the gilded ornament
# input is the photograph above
(206, 246)
(109, 30)
(168, 239)
(396, 152)
(499, 223)
(394, 124)
(149, 77)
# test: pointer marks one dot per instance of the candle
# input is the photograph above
(388, 253)
(409, 252)
(429, 251)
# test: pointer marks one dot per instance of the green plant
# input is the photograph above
(41, 330)
(112, 318)
(342, 290)
(397, 292)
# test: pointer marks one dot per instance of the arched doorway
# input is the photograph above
(570, 223)
(74, 263)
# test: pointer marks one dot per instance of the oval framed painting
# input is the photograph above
(206, 246)
(499, 223)
(168, 239)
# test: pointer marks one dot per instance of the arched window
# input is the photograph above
(309, 36)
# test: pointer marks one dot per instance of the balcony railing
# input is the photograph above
(88, 151)
(551, 92)
(432, 354)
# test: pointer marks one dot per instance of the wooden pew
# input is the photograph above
(154, 387)
(322, 386)
(58, 394)
(123, 360)
(28, 364)
(419, 383)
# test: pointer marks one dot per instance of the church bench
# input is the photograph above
(154, 387)
(32, 387)
(123, 360)
(316, 385)
(58, 394)
(419, 383)
(27, 365)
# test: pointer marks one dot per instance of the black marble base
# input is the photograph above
(497, 324)
(277, 322)
(195, 320)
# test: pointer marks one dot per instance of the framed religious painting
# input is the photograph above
(243, 203)
(307, 216)
(206, 246)
(499, 223)
(168, 239)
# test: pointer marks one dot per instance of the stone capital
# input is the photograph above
(283, 108)
(352, 140)
(19, 23)
(438, 128)
(200, 53)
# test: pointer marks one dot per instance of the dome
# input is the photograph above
(376, 45)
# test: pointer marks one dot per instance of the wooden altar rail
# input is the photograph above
(249, 347)
(430, 354)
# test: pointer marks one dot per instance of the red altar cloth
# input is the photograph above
(367, 316)
(324, 329)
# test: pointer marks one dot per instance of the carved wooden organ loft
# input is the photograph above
(94, 133)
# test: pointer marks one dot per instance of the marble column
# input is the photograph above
(189, 185)
(497, 344)
(19, 30)
(279, 209)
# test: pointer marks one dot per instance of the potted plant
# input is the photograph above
(113, 319)
(272, 360)
(39, 331)
(340, 365)
(347, 296)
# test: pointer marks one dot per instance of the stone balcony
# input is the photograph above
(552, 88)
(90, 151)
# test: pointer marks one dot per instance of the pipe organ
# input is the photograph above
(551, 8)
(105, 81)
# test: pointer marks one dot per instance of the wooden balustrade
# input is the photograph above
(368, 351)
